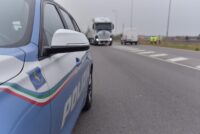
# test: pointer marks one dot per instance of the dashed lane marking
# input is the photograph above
(148, 52)
(136, 51)
(158, 55)
(198, 67)
(177, 59)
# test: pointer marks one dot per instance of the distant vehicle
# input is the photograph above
(100, 31)
(45, 67)
(155, 40)
(129, 36)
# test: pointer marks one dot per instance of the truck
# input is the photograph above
(100, 31)
(129, 36)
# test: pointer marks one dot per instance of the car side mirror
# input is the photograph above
(113, 26)
(66, 41)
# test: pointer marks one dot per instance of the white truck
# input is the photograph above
(129, 36)
(100, 31)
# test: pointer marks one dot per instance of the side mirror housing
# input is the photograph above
(66, 41)
(113, 26)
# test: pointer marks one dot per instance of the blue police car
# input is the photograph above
(45, 68)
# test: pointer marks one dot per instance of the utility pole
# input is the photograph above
(123, 28)
(116, 22)
(169, 17)
(131, 17)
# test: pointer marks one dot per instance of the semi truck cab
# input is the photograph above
(100, 31)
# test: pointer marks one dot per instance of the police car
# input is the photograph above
(45, 68)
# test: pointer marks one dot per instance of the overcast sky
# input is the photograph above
(149, 16)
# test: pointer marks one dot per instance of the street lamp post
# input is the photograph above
(169, 17)
(116, 22)
(131, 17)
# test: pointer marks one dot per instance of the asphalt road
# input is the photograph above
(137, 94)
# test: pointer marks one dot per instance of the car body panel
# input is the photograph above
(37, 23)
(18, 101)
(71, 96)
(8, 58)
(33, 99)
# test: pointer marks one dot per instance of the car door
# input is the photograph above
(63, 75)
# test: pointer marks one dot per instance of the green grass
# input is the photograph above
(186, 46)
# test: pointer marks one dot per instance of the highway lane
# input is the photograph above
(135, 94)
(173, 51)
(187, 58)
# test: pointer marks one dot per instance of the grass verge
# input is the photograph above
(186, 46)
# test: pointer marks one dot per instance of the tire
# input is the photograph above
(88, 103)
(110, 43)
(96, 43)
(92, 42)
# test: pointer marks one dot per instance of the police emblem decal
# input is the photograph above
(36, 77)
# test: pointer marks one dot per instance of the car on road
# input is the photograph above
(45, 66)
(129, 36)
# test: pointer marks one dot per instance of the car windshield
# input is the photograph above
(103, 26)
(14, 16)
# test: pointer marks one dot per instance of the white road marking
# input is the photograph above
(173, 61)
(138, 51)
(135, 50)
(148, 52)
(176, 63)
(177, 59)
(198, 67)
(126, 48)
(158, 55)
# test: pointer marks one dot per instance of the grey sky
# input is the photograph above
(149, 16)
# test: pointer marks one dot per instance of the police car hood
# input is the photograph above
(11, 63)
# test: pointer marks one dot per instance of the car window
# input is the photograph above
(68, 20)
(52, 22)
(14, 22)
